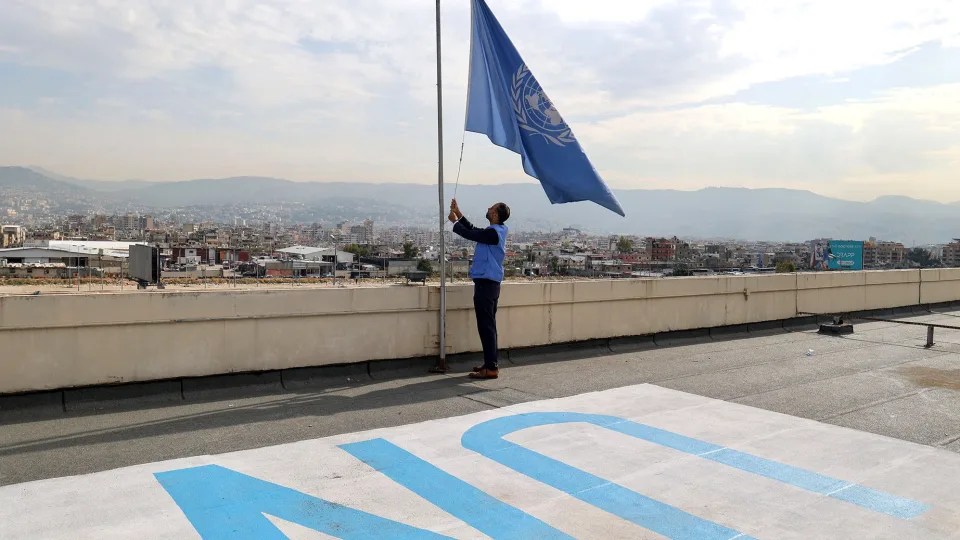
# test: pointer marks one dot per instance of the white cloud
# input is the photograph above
(905, 136)
(822, 37)
(258, 44)
(342, 89)
(619, 11)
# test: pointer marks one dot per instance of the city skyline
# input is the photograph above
(853, 101)
(32, 198)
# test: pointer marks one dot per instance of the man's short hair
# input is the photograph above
(503, 212)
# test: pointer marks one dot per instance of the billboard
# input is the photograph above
(818, 255)
(844, 255)
(144, 263)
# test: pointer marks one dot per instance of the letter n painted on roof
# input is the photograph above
(222, 503)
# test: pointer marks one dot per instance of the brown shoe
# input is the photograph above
(484, 373)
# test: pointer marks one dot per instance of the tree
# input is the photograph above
(554, 264)
(424, 266)
(624, 245)
(409, 250)
(786, 267)
(681, 269)
(358, 250)
(921, 257)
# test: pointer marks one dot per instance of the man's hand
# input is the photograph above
(455, 212)
(452, 217)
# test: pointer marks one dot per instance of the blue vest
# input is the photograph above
(488, 259)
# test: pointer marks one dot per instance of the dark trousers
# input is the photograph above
(486, 294)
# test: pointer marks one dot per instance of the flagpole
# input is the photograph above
(442, 365)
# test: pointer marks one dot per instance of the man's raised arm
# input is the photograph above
(464, 228)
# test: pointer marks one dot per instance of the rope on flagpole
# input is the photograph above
(460, 165)
(466, 111)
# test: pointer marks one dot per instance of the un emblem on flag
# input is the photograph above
(535, 112)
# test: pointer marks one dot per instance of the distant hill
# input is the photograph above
(98, 185)
(29, 180)
(758, 214)
(63, 197)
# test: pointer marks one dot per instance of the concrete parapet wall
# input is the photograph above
(857, 291)
(62, 341)
(939, 285)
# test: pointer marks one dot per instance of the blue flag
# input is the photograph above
(506, 103)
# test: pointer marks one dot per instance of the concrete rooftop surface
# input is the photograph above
(766, 434)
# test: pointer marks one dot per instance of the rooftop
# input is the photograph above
(304, 250)
(868, 407)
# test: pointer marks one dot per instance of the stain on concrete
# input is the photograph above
(932, 377)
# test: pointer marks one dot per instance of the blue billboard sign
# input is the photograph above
(845, 255)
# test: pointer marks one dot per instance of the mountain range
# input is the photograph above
(710, 213)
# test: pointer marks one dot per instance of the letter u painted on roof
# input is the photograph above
(487, 439)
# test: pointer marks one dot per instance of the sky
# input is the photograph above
(847, 98)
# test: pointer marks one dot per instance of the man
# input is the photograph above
(487, 273)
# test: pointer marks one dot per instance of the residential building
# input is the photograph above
(12, 236)
(879, 253)
(661, 249)
(951, 253)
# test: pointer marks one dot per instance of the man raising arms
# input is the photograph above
(487, 273)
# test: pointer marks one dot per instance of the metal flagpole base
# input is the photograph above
(440, 367)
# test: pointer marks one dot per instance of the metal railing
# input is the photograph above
(838, 319)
